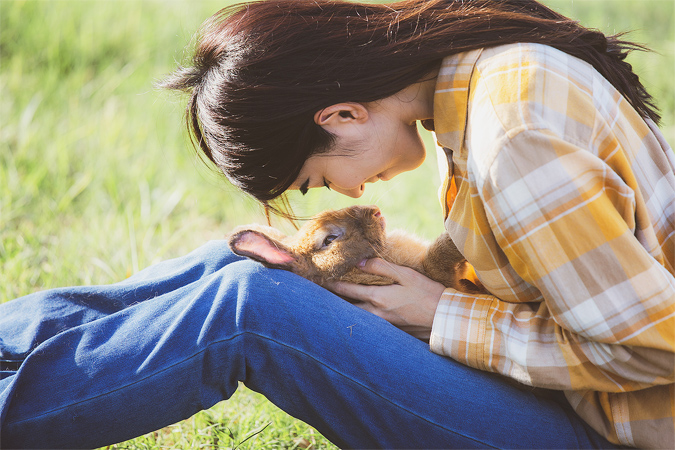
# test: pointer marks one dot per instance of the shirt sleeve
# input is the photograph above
(566, 222)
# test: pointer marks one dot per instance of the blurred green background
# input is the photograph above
(98, 179)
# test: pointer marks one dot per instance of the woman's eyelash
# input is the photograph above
(304, 187)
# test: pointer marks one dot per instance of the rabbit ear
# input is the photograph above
(256, 245)
(470, 287)
(469, 281)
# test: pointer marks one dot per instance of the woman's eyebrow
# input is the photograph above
(304, 187)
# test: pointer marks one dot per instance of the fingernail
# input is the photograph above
(362, 263)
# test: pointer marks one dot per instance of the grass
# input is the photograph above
(97, 178)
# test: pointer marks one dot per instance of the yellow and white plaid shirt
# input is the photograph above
(562, 197)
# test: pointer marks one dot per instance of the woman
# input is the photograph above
(559, 190)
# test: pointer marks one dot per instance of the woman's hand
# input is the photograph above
(410, 304)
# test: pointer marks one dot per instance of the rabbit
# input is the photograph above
(331, 244)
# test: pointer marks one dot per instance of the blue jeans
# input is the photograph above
(91, 366)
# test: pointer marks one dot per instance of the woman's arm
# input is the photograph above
(566, 222)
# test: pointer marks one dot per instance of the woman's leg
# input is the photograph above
(206, 321)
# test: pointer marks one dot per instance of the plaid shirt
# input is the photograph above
(562, 197)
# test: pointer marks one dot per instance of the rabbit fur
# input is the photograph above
(331, 244)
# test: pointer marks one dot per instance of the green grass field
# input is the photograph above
(98, 180)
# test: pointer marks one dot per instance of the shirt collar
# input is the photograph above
(451, 102)
(451, 98)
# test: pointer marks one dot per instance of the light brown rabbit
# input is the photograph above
(331, 244)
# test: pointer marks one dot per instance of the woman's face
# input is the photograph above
(353, 163)
(372, 142)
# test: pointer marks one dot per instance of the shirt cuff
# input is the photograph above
(459, 328)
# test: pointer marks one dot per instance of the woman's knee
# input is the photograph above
(263, 288)
(275, 300)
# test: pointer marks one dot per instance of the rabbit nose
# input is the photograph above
(373, 210)
(377, 214)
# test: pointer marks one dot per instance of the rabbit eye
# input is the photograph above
(329, 239)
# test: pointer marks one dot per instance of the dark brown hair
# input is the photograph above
(261, 70)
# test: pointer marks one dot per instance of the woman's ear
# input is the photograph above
(341, 113)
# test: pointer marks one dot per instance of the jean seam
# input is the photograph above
(341, 374)
(374, 392)
(129, 384)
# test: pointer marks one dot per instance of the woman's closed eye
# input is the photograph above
(304, 187)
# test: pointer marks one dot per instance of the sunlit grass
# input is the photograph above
(247, 421)
(97, 178)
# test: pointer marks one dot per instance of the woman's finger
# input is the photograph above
(359, 292)
(378, 266)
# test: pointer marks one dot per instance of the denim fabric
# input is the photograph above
(103, 364)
